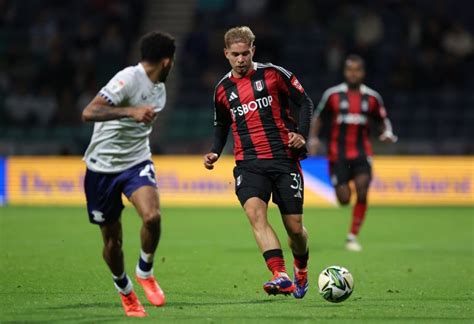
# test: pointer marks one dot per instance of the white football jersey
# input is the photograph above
(117, 145)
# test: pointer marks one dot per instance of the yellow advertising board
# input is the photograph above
(183, 181)
(45, 180)
(423, 181)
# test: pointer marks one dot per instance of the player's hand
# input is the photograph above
(209, 160)
(143, 114)
(388, 137)
(296, 140)
(313, 146)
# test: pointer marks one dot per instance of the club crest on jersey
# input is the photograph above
(116, 85)
(258, 85)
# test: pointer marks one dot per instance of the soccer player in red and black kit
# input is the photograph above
(348, 106)
(254, 99)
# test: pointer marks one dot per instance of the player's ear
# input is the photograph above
(166, 62)
(226, 52)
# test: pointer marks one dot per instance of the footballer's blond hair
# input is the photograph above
(242, 34)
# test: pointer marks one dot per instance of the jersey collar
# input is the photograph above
(254, 69)
(362, 88)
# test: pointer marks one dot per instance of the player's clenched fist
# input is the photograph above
(209, 160)
(143, 114)
(389, 137)
(296, 140)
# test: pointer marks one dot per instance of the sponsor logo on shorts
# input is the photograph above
(98, 216)
(239, 180)
(334, 180)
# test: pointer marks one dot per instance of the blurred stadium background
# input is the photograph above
(55, 55)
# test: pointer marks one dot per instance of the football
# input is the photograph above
(335, 284)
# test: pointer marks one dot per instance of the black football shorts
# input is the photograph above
(280, 179)
(342, 171)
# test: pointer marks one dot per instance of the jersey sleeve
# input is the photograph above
(221, 113)
(118, 89)
(291, 85)
(378, 112)
(293, 88)
(222, 121)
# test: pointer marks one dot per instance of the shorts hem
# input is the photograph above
(138, 187)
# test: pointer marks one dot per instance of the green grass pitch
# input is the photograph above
(417, 266)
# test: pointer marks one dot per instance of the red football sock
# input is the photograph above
(301, 261)
(274, 260)
(358, 215)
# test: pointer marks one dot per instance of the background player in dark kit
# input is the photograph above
(348, 108)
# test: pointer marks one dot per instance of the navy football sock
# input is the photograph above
(123, 283)
(145, 264)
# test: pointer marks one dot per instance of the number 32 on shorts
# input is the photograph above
(297, 185)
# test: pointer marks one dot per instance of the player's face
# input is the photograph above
(354, 73)
(240, 57)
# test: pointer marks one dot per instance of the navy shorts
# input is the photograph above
(104, 190)
(280, 179)
(342, 171)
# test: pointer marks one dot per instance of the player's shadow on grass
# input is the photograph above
(217, 303)
(73, 319)
(85, 317)
(83, 306)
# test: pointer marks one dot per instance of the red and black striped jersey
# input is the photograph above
(349, 111)
(257, 108)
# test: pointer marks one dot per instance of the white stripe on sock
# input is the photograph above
(143, 274)
(147, 257)
(128, 289)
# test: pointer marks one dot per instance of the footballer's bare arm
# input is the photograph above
(100, 110)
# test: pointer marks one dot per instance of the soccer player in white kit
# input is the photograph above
(118, 161)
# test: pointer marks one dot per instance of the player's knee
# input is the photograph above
(113, 244)
(152, 219)
(295, 230)
(257, 218)
(344, 200)
(362, 200)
